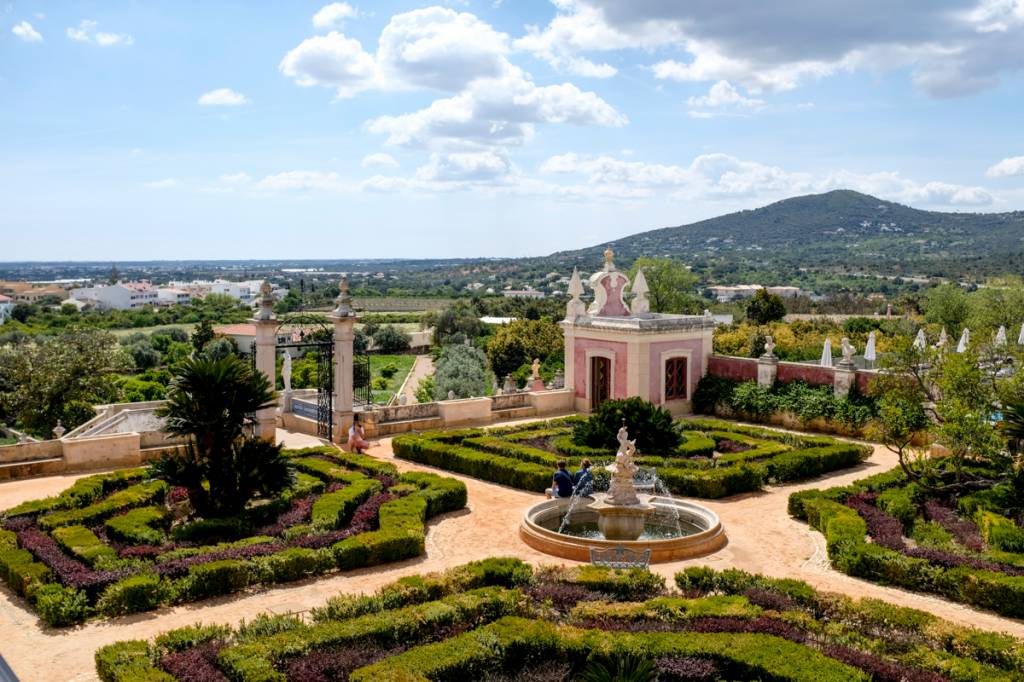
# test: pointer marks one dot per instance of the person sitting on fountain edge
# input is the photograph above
(584, 479)
(561, 482)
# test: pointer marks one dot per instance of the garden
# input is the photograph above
(120, 543)
(502, 620)
(705, 458)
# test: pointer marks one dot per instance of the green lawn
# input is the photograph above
(404, 364)
(4, 440)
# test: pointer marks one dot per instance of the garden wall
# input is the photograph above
(745, 369)
(727, 367)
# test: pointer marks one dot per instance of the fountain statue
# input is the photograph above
(621, 513)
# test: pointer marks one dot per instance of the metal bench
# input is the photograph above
(620, 557)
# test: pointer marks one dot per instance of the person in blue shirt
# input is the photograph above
(584, 479)
(561, 482)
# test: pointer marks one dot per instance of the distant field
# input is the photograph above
(395, 304)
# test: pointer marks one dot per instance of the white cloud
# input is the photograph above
(236, 179)
(439, 48)
(482, 166)
(292, 181)
(723, 94)
(379, 159)
(721, 176)
(26, 33)
(332, 61)
(334, 15)
(951, 47)
(86, 33)
(1010, 166)
(165, 183)
(222, 97)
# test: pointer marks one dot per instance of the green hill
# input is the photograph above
(841, 231)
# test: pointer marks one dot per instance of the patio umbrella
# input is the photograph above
(919, 341)
(965, 339)
(1001, 336)
(1020, 339)
(869, 349)
(826, 354)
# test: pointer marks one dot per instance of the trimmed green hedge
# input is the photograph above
(134, 496)
(499, 456)
(1000, 532)
(333, 510)
(82, 492)
(143, 526)
(845, 535)
(82, 543)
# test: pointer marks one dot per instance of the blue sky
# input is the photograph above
(160, 130)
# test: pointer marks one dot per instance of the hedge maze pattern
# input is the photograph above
(499, 620)
(116, 543)
(748, 457)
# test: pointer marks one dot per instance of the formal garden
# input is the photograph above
(228, 512)
(502, 620)
(704, 458)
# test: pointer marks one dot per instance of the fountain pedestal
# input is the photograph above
(621, 522)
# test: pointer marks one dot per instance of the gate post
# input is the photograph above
(266, 358)
(344, 319)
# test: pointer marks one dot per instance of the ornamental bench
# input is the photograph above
(620, 557)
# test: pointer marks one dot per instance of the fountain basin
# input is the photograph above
(702, 531)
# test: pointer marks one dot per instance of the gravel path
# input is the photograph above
(423, 367)
(762, 539)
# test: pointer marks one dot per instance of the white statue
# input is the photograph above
(847, 349)
(622, 490)
(286, 371)
(769, 346)
(535, 369)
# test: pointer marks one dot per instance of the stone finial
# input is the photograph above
(266, 310)
(559, 381)
(59, 430)
(344, 300)
(848, 350)
(640, 304)
(609, 254)
(575, 307)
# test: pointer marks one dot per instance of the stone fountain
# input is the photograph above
(621, 514)
(671, 528)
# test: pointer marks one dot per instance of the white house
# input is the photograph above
(120, 296)
(172, 296)
(6, 306)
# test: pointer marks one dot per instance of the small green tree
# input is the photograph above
(461, 370)
(207, 403)
(390, 339)
(520, 342)
(425, 390)
(947, 306)
(764, 307)
(651, 426)
(202, 335)
(670, 285)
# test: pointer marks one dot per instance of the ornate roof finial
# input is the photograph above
(640, 304)
(266, 311)
(344, 300)
(608, 255)
(575, 308)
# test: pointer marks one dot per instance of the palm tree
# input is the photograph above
(208, 403)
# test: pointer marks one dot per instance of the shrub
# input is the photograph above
(212, 530)
(134, 496)
(390, 339)
(389, 370)
(651, 426)
(129, 661)
(1000, 532)
(60, 606)
(296, 563)
(140, 526)
(461, 370)
(83, 544)
(333, 510)
(213, 579)
(131, 595)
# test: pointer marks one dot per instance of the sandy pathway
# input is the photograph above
(423, 367)
(762, 538)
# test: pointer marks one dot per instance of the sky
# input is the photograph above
(182, 129)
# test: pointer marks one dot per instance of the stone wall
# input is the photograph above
(728, 367)
(745, 369)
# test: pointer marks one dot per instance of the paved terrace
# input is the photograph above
(762, 539)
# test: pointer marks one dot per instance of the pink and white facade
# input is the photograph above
(615, 349)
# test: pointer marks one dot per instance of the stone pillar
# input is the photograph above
(266, 358)
(569, 334)
(344, 319)
(767, 370)
(843, 379)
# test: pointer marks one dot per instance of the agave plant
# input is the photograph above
(619, 668)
